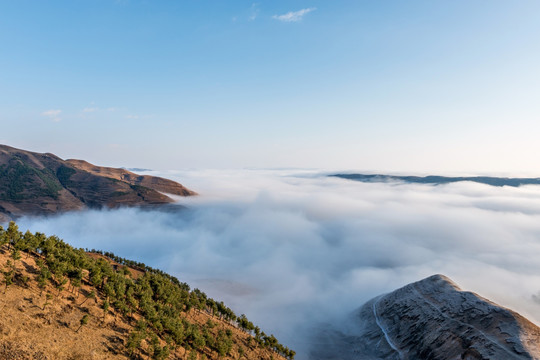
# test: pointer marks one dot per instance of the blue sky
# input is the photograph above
(408, 86)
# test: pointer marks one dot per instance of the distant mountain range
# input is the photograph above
(431, 319)
(41, 184)
(440, 180)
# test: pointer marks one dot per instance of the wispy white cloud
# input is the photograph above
(254, 11)
(54, 115)
(293, 16)
(132, 117)
(90, 109)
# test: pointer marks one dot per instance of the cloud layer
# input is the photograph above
(292, 250)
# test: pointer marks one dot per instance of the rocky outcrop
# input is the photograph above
(433, 319)
(42, 184)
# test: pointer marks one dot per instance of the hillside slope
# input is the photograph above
(433, 319)
(153, 182)
(42, 184)
(60, 303)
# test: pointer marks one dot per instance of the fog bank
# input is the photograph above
(291, 249)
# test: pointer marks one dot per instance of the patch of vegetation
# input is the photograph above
(20, 181)
(52, 187)
(155, 301)
(142, 191)
(64, 173)
(119, 193)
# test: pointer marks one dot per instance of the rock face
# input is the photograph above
(41, 184)
(433, 319)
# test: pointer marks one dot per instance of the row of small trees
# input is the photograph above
(159, 299)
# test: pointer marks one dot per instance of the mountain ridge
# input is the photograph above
(153, 182)
(43, 184)
(440, 180)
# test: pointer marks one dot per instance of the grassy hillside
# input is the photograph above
(58, 302)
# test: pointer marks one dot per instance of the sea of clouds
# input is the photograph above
(293, 249)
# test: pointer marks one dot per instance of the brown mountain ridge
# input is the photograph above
(42, 184)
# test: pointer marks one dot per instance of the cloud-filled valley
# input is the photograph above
(292, 249)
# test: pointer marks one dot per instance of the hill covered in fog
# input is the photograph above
(432, 319)
(439, 180)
